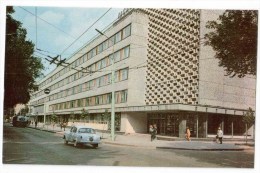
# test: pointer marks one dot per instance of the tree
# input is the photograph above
(54, 119)
(84, 114)
(106, 119)
(21, 67)
(234, 38)
(24, 110)
(249, 119)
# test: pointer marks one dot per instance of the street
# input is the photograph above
(30, 146)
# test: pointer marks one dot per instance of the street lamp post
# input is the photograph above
(113, 90)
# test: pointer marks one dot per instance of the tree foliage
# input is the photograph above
(21, 67)
(54, 118)
(249, 117)
(24, 110)
(84, 114)
(234, 38)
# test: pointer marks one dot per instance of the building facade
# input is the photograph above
(164, 75)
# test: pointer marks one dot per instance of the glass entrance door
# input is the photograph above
(167, 123)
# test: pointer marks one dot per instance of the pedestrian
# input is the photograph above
(35, 123)
(64, 125)
(154, 131)
(187, 134)
(151, 131)
(220, 135)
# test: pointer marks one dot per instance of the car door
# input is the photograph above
(74, 134)
(70, 136)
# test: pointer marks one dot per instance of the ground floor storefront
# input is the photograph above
(200, 124)
(171, 120)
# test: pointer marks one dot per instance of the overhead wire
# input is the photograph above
(85, 31)
(47, 22)
(36, 26)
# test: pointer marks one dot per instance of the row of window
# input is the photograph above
(120, 75)
(105, 62)
(120, 97)
(122, 34)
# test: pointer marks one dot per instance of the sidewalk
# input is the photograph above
(144, 141)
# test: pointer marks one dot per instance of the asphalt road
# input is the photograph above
(30, 146)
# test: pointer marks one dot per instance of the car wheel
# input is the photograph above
(75, 143)
(95, 145)
(65, 141)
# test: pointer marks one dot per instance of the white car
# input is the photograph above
(82, 135)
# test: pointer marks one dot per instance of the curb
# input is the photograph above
(50, 131)
(127, 145)
(203, 149)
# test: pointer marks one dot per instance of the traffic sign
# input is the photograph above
(47, 91)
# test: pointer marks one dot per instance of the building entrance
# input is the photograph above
(174, 124)
(167, 124)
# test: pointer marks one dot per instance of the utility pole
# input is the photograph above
(113, 89)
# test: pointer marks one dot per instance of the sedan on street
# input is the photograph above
(82, 135)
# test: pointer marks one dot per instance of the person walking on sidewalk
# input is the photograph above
(220, 135)
(187, 134)
(154, 131)
(35, 123)
(151, 131)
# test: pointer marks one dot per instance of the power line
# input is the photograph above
(36, 27)
(57, 53)
(47, 22)
(85, 31)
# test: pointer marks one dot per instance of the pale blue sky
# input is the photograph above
(73, 21)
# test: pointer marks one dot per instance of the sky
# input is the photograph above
(56, 28)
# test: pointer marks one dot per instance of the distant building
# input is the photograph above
(164, 75)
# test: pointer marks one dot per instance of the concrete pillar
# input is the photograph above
(222, 124)
(182, 125)
(206, 125)
(197, 126)
(232, 128)
(134, 122)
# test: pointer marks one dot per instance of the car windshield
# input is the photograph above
(86, 130)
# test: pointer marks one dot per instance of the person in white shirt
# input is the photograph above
(220, 135)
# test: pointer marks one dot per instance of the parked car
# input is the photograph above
(20, 121)
(82, 135)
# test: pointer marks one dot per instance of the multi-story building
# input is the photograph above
(164, 75)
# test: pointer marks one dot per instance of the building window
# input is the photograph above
(121, 75)
(124, 74)
(100, 48)
(105, 45)
(117, 56)
(121, 96)
(111, 41)
(103, 63)
(126, 52)
(118, 37)
(126, 32)
(98, 65)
